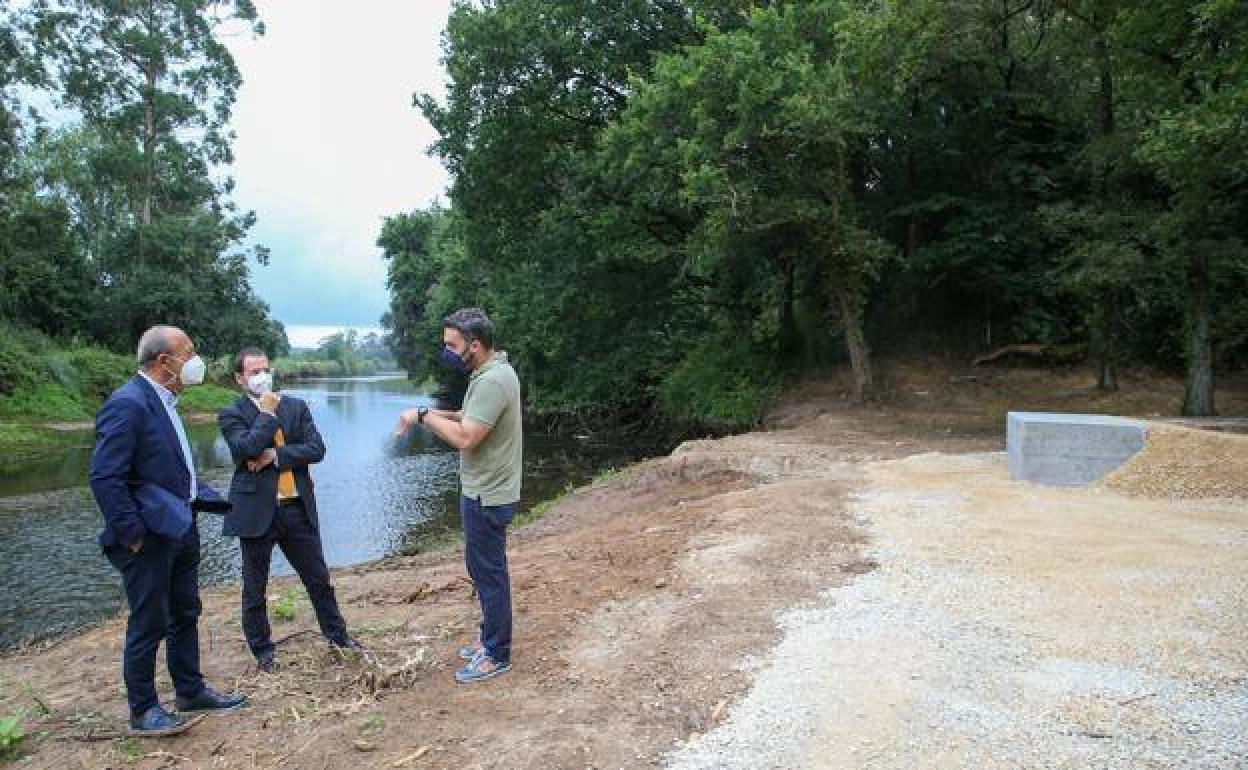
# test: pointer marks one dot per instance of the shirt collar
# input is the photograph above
(497, 357)
(167, 397)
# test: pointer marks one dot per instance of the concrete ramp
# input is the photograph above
(1070, 450)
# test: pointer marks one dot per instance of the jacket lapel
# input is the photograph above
(247, 408)
(283, 417)
(157, 408)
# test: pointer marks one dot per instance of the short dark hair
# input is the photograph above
(473, 323)
(243, 355)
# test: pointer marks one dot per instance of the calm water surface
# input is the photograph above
(373, 502)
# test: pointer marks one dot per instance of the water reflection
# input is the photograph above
(372, 503)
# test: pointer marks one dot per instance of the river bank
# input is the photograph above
(376, 499)
(25, 438)
(671, 608)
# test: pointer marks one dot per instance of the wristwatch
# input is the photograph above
(420, 414)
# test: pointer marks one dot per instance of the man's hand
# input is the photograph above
(135, 547)
(263, 460)
(269, 402)
(407, 419)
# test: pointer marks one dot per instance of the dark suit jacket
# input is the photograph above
(248, 432)
(138, 473)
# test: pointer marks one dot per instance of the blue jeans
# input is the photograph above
(162, 589)
(485, 554)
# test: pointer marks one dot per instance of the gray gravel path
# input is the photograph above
(1009, 625)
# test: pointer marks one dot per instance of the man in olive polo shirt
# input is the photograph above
(487, 433)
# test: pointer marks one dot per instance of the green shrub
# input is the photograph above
(294, 368)
(47, 401)
(205, 398)
(283, 609)
(299, 367)
(99, 372)
(19, 366)
(11, 734)
(723, 385)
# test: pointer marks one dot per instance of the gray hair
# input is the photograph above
(155, 341)
(473, 323)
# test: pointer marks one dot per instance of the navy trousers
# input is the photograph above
(293, 533)
(162, 588)
(485, 553)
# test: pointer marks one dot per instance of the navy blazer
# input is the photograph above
(248, 432)
(138, 473)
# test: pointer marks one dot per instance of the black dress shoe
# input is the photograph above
(266, 663)
(210, 700)
(156, 721)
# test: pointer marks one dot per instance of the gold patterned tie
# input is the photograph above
(286, 478)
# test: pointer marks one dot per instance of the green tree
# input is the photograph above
(550, 249)
(1191, 65)
(154, 85)
(760, 129)
(418, 251)
(155, 75)
(676, 203)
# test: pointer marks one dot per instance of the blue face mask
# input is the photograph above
(453, 360)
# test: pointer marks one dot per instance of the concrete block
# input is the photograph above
(1070, 450)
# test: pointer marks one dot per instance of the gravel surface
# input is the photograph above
(1184, 463)
(1009, 625)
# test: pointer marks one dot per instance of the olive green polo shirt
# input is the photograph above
(491, 470)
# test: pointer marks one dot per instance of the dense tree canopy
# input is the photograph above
(679, 203)
(120, 217)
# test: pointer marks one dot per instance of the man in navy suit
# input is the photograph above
(273, 440)
(143, 478)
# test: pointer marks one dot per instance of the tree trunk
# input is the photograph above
(1106, 330)
(1198, 398)
(1107, 376)
(788, 346)
(151, 73)
(1111, 309)
(855, 341)
(149, 144)
(912, 176)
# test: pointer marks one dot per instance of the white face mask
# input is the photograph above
(193, 371)
(259, 383)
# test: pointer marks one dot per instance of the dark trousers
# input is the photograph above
(162, 588)
(485, 554)
(293, 533)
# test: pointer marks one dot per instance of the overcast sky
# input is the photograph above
(329, 145)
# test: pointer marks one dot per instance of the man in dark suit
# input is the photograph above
(273, 440)
(143, 478)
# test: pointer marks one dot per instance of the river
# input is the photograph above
(373, 502)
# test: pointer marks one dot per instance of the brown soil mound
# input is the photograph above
(1179, 463)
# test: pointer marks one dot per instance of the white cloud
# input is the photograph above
(329, 144)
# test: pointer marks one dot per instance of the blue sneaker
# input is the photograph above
(210, 701)
(480, 668)
(471, 651)
(157, 722)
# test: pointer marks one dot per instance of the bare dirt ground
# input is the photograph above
(655, 610)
